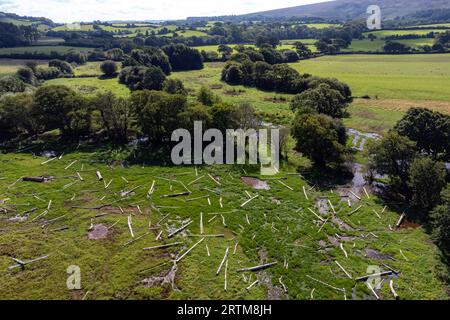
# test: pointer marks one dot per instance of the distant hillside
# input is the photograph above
(350, 9)
(41, 23)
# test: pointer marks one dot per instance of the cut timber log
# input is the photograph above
(223, 260)
(380, 274)
(400, 220)
(356, 196)
(257, 268)
(164, 246)
(22, 264)
(285, 185)
(246, 202)
(391, 286)
(179, 230)
(173, 195)
(99, 176)
(189, 250)
(129, 226)
(304, 192)
(354, 211)
(71, 164)
(252, 285)
(342, 268)
(214, 179)
(37, 179)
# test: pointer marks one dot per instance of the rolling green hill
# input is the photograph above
(349, 9)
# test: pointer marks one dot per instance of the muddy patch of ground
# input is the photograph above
(322, 206)
(98, 232)
(255, 183)
(409, 225)
(273, 292)
(377, 255)
(341, 224)
(165, 276)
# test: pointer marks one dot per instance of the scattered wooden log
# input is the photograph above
(332, 207)
(179, 230)
(374, 211)
(354, 211)
(189, 250)
(319, 217)
(201, 222)
(214, 179)
(304, 192)
(391, 286)
(135, 239)
(129, 226)
(400, 220)
(194, 181)
(257, 268)
(163, 246)
(223, 260)
(249, 200)
(40, 215)
(49, 160)
(173, 195)
(71, 164)
(252, 285)
(373, 291)
(342, 268)
(343, 250)
(285, 185)
(207, 250)
(367, 194)
(325, 284)
(225, 276)
(379, 274)
(356, 196)
(37, 179)
(197, 198)
(80, 177)
(99, 176)
(283, 285)
(22, 264)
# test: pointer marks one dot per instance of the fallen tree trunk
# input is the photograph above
(257, 268)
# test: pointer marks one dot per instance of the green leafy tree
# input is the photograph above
(393, 156)
(141, 78)
(429, 129)
(109, 68)
(441, 221)
(206, 97)
(427, 178)
(320, 138)
(322, 99)
(174, 86)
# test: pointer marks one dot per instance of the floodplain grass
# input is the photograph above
(276, 226)
(406, 77)
(377, 45)
(10, 66)
(43, 49)
(92, 85)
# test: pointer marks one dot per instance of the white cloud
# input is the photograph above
(88, 10)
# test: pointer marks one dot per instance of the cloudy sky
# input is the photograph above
(88, 10)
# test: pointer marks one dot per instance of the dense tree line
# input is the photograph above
(13, 36)
(412, 156)
(146, 113)
(279, 78)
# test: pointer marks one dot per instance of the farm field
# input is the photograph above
(92, 85)
(275, 227)
(10, 66)
(42, 49)
(406, 77)
(377, 45)
(91, 69)
(386, 33)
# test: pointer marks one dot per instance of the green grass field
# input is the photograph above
(10, 66)
(92, 86)
(377, 45)
(381, 34)
(406, 77)
(42, 49)
(276, 226)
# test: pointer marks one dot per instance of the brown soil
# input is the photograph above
(377, 255)
(255, 183)
(99, 232)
